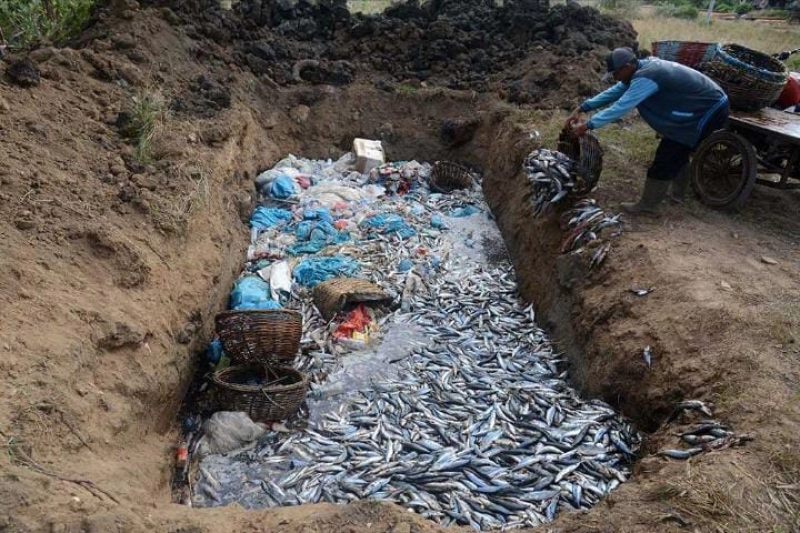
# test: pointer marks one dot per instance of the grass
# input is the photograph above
(368, 7)
(172, 214)
(766, 38)
(147, 111)
(26, 22)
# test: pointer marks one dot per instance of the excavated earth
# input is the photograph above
(113, 268)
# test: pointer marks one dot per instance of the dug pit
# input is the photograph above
(455, 407)
(115, 268)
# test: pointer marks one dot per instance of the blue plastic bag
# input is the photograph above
(437, 221)
(314, 270)
(252, 292)
(405, 265)
(390, 223)
(320, 213)
(266, 217)
(282, 187)
(465, 211)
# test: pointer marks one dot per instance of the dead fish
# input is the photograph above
(642, 292)
(647, 355)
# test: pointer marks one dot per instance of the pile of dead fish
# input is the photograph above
(704, 436)
(479, 428)
(475, 425)
(587, 225)
(552, 175)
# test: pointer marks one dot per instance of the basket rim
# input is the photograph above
(218, 380)
(722, 50)
(232, 312)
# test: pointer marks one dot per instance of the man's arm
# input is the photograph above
(639, 89)
(612, 94)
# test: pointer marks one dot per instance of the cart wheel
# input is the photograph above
(724, 170)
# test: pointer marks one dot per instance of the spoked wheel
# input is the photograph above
(724, 170)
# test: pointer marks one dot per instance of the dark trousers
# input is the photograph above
(672, 156)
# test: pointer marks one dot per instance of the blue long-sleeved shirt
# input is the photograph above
(673, 99)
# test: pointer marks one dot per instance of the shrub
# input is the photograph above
(742, 8)
(24, 22)
(681, 11)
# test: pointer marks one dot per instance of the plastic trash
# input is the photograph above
(405, 265)
(214, 351)
(280, 280)
(437, 221)
(465, 211)
(251, 292)
(390, 223)
(356, 322)
(319, 213)
(226, 431)
(314, 270)
(267, 217)
(282, 187)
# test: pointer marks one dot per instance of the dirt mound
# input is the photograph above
(473, 44)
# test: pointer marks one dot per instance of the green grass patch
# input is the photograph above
(27, 22)
(145, 115)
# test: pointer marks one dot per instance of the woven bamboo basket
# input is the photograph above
(260, 336)
(693, 54)
(277, 395)
(753, 80)
(333, 295)
(586, 151)
(447, 176)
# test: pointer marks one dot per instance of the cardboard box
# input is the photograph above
(369, 154)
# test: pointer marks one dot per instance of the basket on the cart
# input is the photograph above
(753, 80)
(693, 54)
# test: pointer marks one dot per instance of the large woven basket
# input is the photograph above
(265, 336)
(586, 151)
(447, 176)
(693, 54)
(277, 394)
(753, 80)
(333, 295)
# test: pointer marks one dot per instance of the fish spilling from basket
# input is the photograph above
(455, 406)
(572, 169)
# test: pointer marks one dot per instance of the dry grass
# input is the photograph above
(768, 38)
(714, 501)
(368, 7)
(172, 214)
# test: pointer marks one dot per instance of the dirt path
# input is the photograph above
(113, 269)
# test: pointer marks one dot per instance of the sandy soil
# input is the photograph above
(112, 271)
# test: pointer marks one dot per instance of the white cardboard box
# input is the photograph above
(369, 154)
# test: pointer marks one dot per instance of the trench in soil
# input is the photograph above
(496, 149)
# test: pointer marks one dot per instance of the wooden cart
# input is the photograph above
(726, 166)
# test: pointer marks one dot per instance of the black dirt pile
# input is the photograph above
(523, 49)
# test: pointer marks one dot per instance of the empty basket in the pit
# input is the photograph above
(334, 295)
(448, 176)
(264, 336)
(752, 79)
(588, 155)
(266, 394)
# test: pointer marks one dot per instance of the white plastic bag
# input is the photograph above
(226, 431)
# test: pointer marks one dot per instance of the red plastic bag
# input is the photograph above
(357, 321)
(791, 93)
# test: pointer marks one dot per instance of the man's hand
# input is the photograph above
(572, 118)
(579, 130)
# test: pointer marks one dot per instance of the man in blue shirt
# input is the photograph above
(683, 105)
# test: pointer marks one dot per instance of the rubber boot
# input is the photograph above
(654, 192)
(680, 185)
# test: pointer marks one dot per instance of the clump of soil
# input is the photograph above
(522, 49)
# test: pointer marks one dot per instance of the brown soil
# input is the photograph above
(113, 270)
